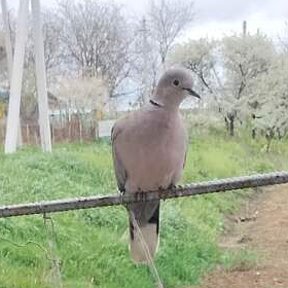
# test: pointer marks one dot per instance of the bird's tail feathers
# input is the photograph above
(144, 238)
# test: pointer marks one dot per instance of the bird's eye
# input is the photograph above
(176, 82)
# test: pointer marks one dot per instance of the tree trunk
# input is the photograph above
(226, 123)
(269, 140)
(253, 133)
(231, 126)
(269, 137)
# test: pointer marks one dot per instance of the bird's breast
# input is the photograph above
(156, 158)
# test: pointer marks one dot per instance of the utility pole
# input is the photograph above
(41, 78)
(17, 77)
(9, 56)
(244, 28)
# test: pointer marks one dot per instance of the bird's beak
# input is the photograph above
(192, 92)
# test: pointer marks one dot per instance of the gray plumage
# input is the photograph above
(149, 148)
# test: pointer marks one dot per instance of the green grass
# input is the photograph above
(91, 245)
(239, 259)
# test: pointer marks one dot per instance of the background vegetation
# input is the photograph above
(89, 248)
(97, 58)
(100, 60)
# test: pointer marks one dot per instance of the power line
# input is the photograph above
(193, 189)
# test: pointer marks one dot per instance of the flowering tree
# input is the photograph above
(228, 70)
(270, 99)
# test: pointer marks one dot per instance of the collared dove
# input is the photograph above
(149, 148)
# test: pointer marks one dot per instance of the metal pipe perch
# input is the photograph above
(193, 189)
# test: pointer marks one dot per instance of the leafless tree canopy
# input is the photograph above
(155, 35)
(95, 38)
(168, 19)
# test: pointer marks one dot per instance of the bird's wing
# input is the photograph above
(120, 171)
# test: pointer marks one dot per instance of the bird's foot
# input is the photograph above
(141, 195)
(172, 186)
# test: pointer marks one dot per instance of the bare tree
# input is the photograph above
(3, 56)
(3, 62)
(95, 37)
(53, 48)
(52, 41)
(168, 19)
(154, 36)
(53, 56)
(145, 61)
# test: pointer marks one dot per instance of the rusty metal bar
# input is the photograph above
(112, 200)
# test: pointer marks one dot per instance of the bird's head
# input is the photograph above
(173, 87)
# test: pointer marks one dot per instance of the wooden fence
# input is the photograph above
(75, 130)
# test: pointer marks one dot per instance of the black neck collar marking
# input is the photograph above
(155, 103)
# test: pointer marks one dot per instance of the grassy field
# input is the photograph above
(89, 248)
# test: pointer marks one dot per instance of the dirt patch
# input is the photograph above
(261, 226)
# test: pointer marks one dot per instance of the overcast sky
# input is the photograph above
(215, 18)
(218, 17)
